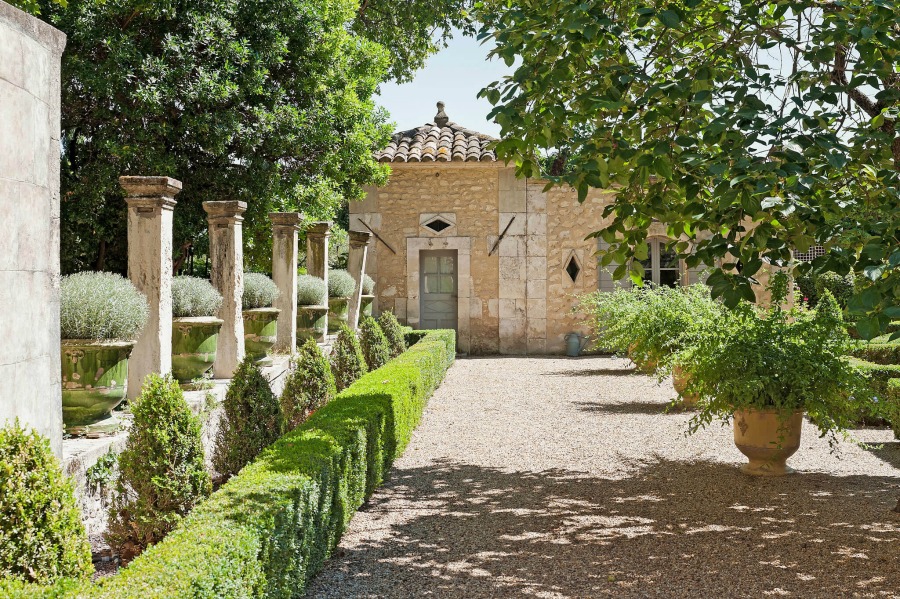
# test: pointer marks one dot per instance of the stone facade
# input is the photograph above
(30, 53)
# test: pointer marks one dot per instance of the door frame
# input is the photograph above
(463, 247)
(442, 252)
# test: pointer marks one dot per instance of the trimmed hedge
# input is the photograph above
(884, 380)
(270, 528)
(878, 353)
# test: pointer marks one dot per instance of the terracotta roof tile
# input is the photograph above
(444, 143)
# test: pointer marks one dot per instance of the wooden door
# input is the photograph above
(438, 289)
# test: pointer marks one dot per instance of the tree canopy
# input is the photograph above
(749, 128)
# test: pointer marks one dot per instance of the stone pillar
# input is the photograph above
(317, 235)
(151, 202)
(226, 253)
(284, 272)
(356, 266)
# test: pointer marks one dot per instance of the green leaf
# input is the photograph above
(669, 18)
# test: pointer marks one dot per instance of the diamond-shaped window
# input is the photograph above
(438, 225)
(572, 269)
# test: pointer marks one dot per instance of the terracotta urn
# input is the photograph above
(768, 438)
(311, 323)
(338, 313)
(365, 305)
(260, 329)
(94, 379)
(680, 381)
(194, 342)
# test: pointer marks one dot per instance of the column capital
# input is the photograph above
(286, 219)
(359, 239)
(319, 229)
(225, 211)
(150, 192)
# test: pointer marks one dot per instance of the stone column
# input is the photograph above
(226, 252)
(284, 272)
(151, 202)
(317, 235)
(356, 266)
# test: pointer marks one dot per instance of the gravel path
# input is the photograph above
(552, 477)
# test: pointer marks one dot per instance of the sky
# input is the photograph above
(455, 75)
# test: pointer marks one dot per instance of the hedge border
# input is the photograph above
(878, 353)
(269, 530)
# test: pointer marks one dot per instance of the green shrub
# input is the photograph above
(614, 317)
(251, 421)
(269, 530)
(41, 534)
(340, 283)
(194, 297)
(777, 359)
(259, 291)
(310, 291)
(884, 380)
(841, 287)
(393, 332)
(347, 360)
(309, 385)
(368, 286)
(890, 409)
(161, 470)
(807, 284)
(375, 347)
(878, 353)
(101, 305)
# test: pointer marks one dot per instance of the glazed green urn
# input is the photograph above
(338, 313)
(260, 329)
(94, 378)
(194, 341)
(311, 323)
(365, 305)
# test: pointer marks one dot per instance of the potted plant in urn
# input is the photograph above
(340, 287)
(368, 297)
(260, 318)
(764, 368)
(101, 316)
(195, 327)
(312, 308)
(614, 320)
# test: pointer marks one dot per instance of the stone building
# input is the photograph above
(461, 243)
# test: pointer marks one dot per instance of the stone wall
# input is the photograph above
(30, 54)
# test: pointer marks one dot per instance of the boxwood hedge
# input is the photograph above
(878, 353)
(269, 529)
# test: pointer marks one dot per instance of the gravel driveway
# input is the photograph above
(554, 477)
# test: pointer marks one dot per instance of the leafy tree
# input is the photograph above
(32, 6)
(749, 128)
(268, 102)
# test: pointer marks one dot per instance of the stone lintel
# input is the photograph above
(225, 211)
(150, 187)
(286, 219)
(319, 229)
(359, 239)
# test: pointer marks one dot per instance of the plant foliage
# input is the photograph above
(393, 332)
(260, 291)
(252, 419)
(101, 305)
(194, 297)
(311, 291)
(375, 346)
(750, 129)
(161, 470)
(309, 385)
(368, 286)
(347, 360)
(340, 283)
(42, 537)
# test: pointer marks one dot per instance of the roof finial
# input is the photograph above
(441, 119)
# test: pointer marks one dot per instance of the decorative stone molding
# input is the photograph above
(285, 227)
(151, 203)
(356, 265)
(226, 252)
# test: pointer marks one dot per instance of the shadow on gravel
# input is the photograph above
(888, 452)
(673, 529)
(595, 372)
(628, 407)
